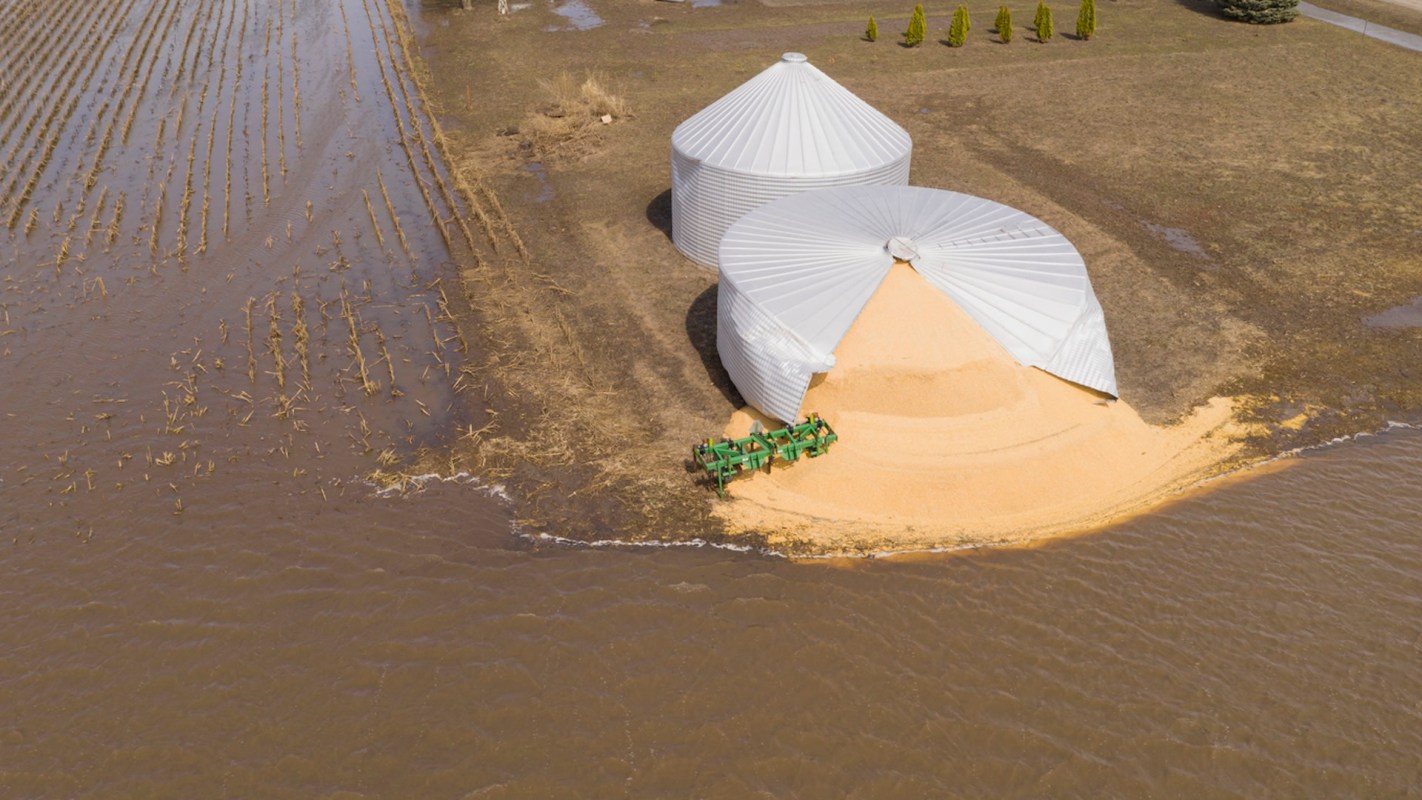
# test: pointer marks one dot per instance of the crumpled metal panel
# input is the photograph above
(763, 348)
(789, 129)
(802, 268)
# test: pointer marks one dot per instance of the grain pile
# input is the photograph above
(944, 439)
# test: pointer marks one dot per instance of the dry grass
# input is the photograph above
(207, 183)
(251, 352)
(394, 218)
(278, 357)
(572, 115)
(112, 231)
(303, 338)
(370, 209)
(350, 52)
(1382, 12)
(295, 82)
(369, 386)
(93, 226)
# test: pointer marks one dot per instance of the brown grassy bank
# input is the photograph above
(1404, 15)
(1239, 194)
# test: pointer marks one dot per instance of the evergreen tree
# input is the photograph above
(1004, 24)
(958, 29)
(1044, 25)
(1263, 12)
(872, 32)
(917, 28)
(1086, 19)
(1041, 9)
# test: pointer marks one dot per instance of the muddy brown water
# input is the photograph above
(203, 597)
(1259, 641)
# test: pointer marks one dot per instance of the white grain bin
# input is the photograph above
(796, 272)
(787, 130)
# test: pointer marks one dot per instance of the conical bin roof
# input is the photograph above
(796, 272)
(791, 120)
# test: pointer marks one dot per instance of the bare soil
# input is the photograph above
(1244, 198)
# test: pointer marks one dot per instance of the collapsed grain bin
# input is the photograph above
(787, 130)
(796, 273)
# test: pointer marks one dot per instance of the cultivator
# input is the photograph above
(728, 458)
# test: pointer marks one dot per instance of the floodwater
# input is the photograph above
(221, 259)
(203, 597)
(579, 15)
(1262, 640)
(1178, 238)
(1408, 315)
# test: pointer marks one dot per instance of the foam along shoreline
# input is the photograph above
(945, 439)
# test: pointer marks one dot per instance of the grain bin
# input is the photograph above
(787, 130)
(796, 272)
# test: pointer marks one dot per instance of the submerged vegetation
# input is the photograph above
(178, 155)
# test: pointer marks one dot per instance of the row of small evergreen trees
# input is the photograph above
(1255, 11)
(958, 29)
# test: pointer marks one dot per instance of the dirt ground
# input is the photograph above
(1244, 198)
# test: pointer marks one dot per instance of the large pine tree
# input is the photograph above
(1263, 12)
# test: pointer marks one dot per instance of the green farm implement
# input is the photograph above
(728, 458)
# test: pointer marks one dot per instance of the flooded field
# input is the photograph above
(231, 248)
(227, 239)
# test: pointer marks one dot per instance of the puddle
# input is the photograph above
(1178, 238)
(1405, 316)
(545, 192)
(579, 15)
(710, 3)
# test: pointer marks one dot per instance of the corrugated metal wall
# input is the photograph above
(789, 129)
(707, 200)
(795, 274)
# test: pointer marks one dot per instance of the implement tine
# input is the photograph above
(729, 457)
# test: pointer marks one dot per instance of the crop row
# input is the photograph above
(485, 205)
(411, 136)
(18, 16)
(46, 76)
(130, 70)
(28, 59)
